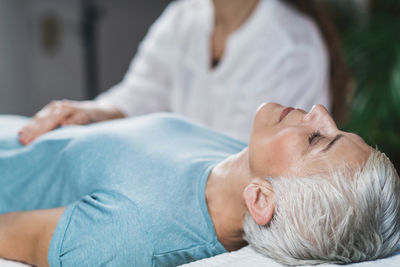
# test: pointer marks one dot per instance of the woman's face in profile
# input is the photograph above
(291, 142)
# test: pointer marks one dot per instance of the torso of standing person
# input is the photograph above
(276, 55)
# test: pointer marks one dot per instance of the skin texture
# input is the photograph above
(276, 148)
(229, 16)
(25, 236)
(287, 142)
(65, 112)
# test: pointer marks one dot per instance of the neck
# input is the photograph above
(230, 14)
(225, 202)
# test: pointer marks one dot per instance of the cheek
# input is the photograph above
(282, 157)
(277, 155)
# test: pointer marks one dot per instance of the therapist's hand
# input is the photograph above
(65, 112)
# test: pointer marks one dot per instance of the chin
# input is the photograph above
(268, 114)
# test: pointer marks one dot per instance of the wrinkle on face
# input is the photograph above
(282, 147)
(351, 151)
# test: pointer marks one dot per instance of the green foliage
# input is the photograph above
(371, 42)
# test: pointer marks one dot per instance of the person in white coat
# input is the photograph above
(214, 61)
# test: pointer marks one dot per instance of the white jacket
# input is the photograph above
(277, 55)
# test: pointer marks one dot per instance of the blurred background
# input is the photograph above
(75, 49)
(370, 33)
(72, 49)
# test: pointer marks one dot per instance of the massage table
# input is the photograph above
(246, 257)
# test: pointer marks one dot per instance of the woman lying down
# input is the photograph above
(158, 190)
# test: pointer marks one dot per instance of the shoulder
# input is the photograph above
(298, 29)
(179, 21)
(286, 30)
(288, 40)
(120, 222)
(184, 128)
(183, 12)
(185, 5)
(182, 7)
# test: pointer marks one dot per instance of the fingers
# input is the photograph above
(62, 113)
(76, 118)
(27, 134)
(45, 120)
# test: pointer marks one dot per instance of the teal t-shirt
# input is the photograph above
(134, 189)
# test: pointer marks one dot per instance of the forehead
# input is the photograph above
(350, 150)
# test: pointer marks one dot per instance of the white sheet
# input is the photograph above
(6, 263)
(246, 257)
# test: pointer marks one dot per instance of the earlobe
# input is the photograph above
(260, 202)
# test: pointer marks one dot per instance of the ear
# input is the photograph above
(259, 198)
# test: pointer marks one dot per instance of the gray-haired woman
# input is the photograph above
(161, 191)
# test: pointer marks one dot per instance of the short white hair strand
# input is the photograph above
(346, 216)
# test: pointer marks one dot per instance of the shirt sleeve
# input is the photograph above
(102, 229)
(147, 83)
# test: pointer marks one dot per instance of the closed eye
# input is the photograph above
(314, 137)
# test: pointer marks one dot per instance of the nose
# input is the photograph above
(320, 118)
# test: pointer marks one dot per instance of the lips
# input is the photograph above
(285, 112)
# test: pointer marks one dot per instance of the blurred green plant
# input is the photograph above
(371, 40)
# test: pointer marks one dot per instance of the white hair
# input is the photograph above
(344, 217)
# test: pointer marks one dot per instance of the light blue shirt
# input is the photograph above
(134, 188)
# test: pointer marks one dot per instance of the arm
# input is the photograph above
(144, 89)
(147, 83)
(25, 236)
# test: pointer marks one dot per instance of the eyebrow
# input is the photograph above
(331, 143)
